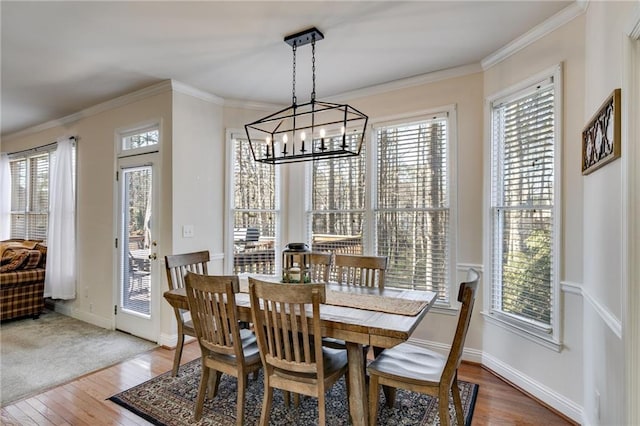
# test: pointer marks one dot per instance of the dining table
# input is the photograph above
(358, 315)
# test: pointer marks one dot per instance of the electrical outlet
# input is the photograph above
(91, 307)
(187, 231)
(596, 405)
(86, 292)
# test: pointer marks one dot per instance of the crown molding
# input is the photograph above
(245, 104)
(553, 23)
(196, 93)
(155, 89)
(404, 83)
(163, 86)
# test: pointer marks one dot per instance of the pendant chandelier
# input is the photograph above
(311, 131)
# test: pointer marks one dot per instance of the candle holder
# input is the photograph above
(295, 263)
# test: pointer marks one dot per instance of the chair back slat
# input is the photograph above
(213, 312)
(287, 325)
(177, 266)
(366, 271)
(319, 267)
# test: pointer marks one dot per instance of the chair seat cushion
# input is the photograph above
(409, 361)
(334, 360)
(249, 347)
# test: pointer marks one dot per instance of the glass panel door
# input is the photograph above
(137, 251)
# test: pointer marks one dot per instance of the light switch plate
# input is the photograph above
(187, 231)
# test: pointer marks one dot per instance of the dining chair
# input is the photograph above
(225, 347)
(177, 266)
(286, 320)
(319, 266)
(418, 369)
(359, 270)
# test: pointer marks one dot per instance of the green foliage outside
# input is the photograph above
(526, 287)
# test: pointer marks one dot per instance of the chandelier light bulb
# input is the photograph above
(303, 136)
(285, 138)
(322, 133)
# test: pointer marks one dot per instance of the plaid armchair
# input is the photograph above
(22, 271)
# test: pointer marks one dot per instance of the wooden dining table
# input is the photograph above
(359, 316)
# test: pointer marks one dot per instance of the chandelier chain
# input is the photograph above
(295, 100)
(313, 67)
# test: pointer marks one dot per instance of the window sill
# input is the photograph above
(546, 341)
(444, 310)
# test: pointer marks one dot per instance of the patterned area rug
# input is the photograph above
(166, 400)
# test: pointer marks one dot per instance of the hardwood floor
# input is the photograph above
(84, 400)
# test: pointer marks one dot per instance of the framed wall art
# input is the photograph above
(601, 136)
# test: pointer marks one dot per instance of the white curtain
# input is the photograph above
(5, 198)
(60, 277)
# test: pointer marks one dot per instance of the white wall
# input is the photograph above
(195, 184)
(604, 371)
(554, 377)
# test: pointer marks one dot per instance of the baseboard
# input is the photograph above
(87, 317)
(534, 388)
(170, 341)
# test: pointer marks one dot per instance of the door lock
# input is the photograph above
(153, 256)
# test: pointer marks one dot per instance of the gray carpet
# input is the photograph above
(39, 354)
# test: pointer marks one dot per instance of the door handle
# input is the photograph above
(153, 256)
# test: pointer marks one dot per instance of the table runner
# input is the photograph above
(372, 302)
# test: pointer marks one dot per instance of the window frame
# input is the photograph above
(552, 338)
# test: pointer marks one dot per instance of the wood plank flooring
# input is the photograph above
(84, 401)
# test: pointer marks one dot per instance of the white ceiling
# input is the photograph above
(61, 57)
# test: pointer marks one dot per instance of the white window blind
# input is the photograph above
(413, 211)
(522, 206)
(337, 215)
(30, 195)
(255, 212)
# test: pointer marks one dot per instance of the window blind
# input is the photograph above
(30, 196)
(523, 206)
(337, 216)
(412, 215)
(255, 212)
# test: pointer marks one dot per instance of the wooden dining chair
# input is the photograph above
(225, 347)
(286, 319)
(419, 369)
(177, 266)
(358, 270)
(319, 266)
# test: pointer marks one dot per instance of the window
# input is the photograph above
(412, 214)
(141, 139)
(30, 192)
(254, 211)
(523, 214)
(338, 204)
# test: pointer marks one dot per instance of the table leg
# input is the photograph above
(358, 398)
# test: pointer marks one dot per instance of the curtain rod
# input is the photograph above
(38, 148)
